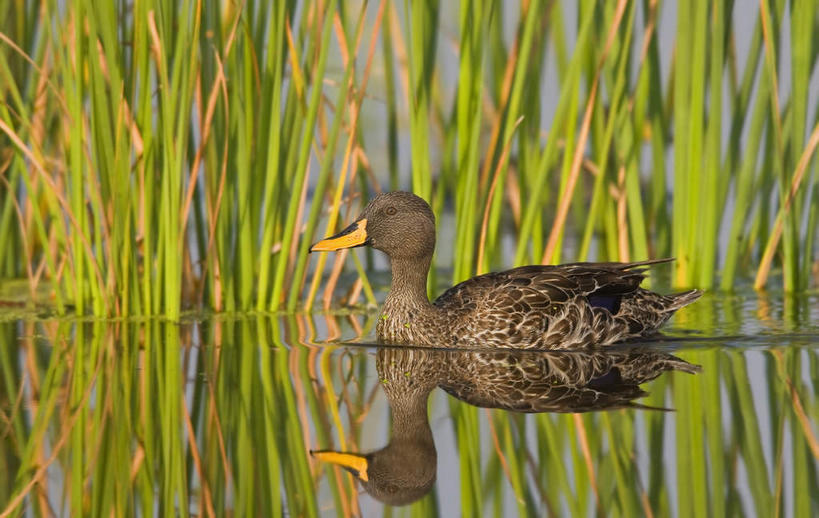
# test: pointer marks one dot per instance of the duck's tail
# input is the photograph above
(673, 363)
(678, 300)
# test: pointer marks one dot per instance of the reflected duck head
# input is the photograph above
(398, 474)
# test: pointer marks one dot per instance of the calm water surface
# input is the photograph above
(218, 416)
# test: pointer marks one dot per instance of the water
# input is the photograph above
(218, 416)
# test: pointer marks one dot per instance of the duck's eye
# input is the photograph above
(391, 211)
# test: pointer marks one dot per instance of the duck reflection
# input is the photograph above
(549, 381)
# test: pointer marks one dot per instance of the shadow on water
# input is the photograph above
(219, 416)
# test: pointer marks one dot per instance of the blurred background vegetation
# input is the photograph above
(160, 156)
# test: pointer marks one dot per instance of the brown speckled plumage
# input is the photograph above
(530, 307)
(555, 381)
(521, 381)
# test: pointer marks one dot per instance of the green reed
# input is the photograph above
(160, 157)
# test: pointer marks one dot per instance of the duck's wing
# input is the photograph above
(538, 286)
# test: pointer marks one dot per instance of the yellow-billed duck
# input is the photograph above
(529, 307)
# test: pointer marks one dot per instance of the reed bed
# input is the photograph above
(217, 418)
(156, 157)
(163, 157)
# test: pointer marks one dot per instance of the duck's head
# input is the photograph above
(398, 474)
(399, 224)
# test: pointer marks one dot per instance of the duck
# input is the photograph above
(513, 380)
(566, 306)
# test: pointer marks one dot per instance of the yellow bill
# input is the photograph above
(353, 462)
(354, 235)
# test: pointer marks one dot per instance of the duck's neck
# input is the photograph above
(407, 313)
(410, 420)
(408, 289)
